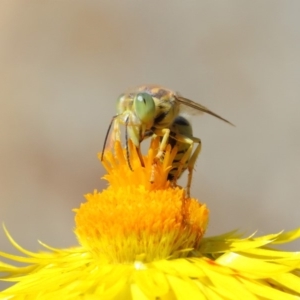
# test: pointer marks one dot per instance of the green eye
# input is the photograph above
(144, 107)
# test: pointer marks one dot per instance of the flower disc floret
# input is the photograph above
(133, 218)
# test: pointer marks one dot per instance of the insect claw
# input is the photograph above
(129, 166)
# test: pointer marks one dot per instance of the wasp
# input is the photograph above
(151, 108)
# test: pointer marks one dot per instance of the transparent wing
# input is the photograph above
(193, 108)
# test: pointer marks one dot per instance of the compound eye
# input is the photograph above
(144, 107)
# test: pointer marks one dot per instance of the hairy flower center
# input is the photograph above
(136, 220)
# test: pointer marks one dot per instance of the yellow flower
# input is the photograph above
(145, 241)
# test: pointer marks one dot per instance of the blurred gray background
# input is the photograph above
(64, 63)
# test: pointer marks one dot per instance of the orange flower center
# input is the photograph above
(134, 219)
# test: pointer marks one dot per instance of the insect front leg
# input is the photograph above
(116, 133)
(165, 133)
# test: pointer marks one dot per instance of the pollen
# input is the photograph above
(135, 220)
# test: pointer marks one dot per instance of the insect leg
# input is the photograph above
(107, 133)
(126, 145)
(191, 165)
(165, 133)
(116, 134)
(183, 160)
